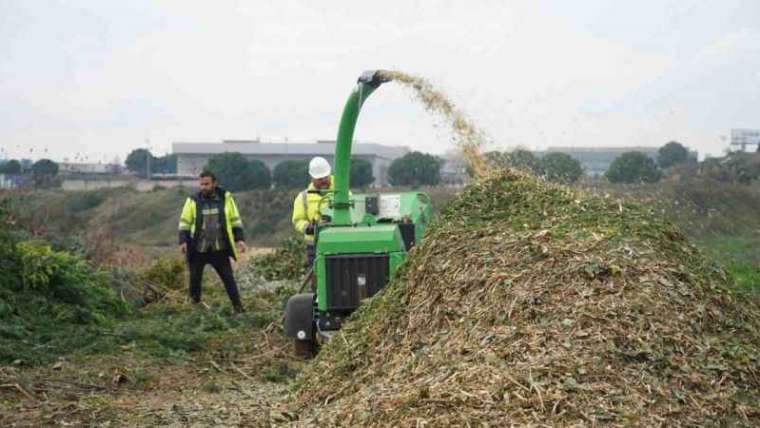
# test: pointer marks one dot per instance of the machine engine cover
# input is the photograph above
(352, 278)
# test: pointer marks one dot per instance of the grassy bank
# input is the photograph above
(739, 255)
(720, 218)
(126, 216)
(101, 220)
(83, 345)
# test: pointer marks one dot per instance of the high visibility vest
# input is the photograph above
(190, 221)
(306, 208)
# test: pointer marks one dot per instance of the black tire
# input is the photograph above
(306, 349)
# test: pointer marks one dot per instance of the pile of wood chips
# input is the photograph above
(532, 304)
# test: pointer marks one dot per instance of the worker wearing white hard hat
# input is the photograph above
(306, 207)
(319, 168)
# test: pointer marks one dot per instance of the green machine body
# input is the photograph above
(360, 246)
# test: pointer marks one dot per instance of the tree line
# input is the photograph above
(43, 172)
(237, 172)
(672, 159)
(39, 168)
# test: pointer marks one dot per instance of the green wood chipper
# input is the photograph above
(360, 244)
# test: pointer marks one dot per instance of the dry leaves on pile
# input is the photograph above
(537, 305)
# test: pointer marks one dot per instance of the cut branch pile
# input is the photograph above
(532, 304)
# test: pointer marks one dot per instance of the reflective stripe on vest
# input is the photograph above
(305, 200)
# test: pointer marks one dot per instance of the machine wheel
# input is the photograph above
(299, 324)
(306, 349)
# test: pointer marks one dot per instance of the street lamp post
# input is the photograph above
(147, 157)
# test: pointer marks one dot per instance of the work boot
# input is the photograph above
(238, 309)
(198, 304)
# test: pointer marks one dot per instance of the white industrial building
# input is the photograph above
(193, 157)
(741, 139)
(88, 168)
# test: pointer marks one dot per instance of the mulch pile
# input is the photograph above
(533, 304)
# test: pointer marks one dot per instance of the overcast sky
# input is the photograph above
(102, 77)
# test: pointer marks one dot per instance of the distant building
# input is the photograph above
(15, 181)
(193, 157)
(743, 138)
(596, 160)
(66, 168)
(6, 182)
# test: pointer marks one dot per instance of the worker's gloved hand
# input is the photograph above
(309, 229)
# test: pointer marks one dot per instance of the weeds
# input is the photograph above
(740, 256)
(54, 303)
(288, 262)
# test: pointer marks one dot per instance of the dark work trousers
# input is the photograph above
(311, 253)
(220, 261)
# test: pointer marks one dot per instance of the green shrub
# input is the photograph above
(74, 291)
(361, 173)
(82, 201)
(287, 262)
(51, 303)
(633, 167)
(415, 169)
(293, 174)
(54, 303)
(561, 168)
(166, 272)
(235, 172)
(671, 154)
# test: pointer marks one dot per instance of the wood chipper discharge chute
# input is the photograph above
(361, 243)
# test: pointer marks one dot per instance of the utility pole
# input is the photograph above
(147, 157)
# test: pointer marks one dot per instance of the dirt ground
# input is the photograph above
(128, 390)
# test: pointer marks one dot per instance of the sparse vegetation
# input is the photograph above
(735, 167)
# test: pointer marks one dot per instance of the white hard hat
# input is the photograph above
(319, 168)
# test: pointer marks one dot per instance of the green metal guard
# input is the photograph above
(367, 83)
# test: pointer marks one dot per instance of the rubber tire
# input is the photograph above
(306, 349)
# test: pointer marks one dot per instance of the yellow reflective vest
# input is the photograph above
(306, 208)
(190, 222)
